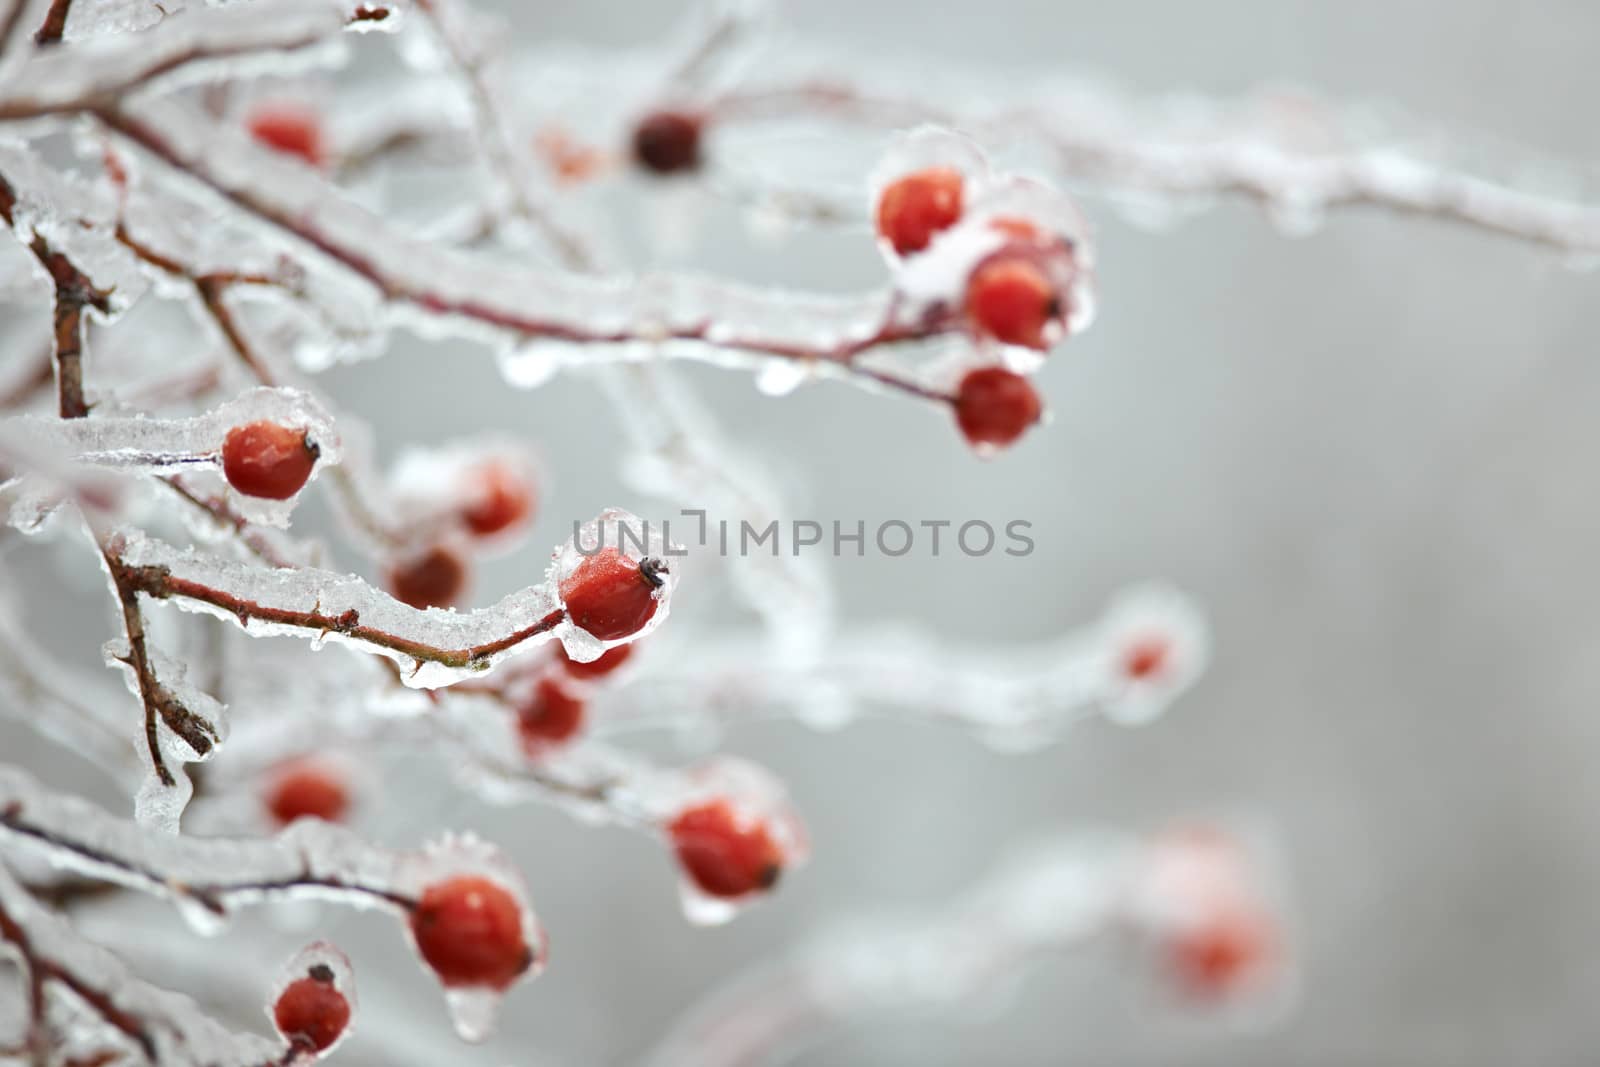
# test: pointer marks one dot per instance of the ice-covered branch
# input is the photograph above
(74, 292)
(439, 647)
(1193, 897)
(107, 1011)
(1289, 153)
(71, 77)
(438, 289)
(1149, 647)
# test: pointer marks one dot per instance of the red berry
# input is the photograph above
(913, 208)
(552, 715)
(306, 789)
(311, 1012)
(1010, 299)
(1223, 953)
(995, 406)
(667, 142)
(291, 129)
(609, 660)
(267, 460)
(436, 578)
(1145, 658)
(500, 499)
(469, 930)
(610, 595)
(725, 853)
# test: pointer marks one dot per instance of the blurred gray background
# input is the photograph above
(1366, 452)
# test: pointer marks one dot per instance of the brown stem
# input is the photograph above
(42, 969)
(161, 584)
(160, 706)
(74, 293)
(55, 23)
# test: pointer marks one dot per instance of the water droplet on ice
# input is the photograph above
(780, 377)
(531, 365)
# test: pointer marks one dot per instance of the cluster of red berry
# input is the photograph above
(1011, 294)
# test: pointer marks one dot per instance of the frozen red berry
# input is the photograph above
(292, 129)
(726, 853)
(1011, 299)
(1146, 657)
(995, 406)
(913, 208)
(305, 789)
(498, 499)
(267, 460)
(667, 142)
(433, 578)
(469, 930)
(311, 1012)
(1223, 953)
(608, 661)
(610, 595)
(552, 714)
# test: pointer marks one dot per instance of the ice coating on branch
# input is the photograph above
(434, 647)
(682, 457)
(141, 445)
(36, 479)
(1050, 899)
(1015, 698)
(101, 1004)
(181, 49)
(158, 802)
(637, 541)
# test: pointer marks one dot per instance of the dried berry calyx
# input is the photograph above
(307, 790)
(267, 460)
(311, 1012)
(915, 207)
(724, 852)
(668, 142)
(433, 578)
(470, 931)
(995, 406)
(552, 715)
(610, 596)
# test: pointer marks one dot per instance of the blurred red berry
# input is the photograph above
(435, 578)
(1222, 954)
(725, 853)
(1146, 657)
(1010, 299)
(311, 1012)
(609, 660)
(307, 789)
(610, 595)
(913, 208)
(292, 129)
(267, 460)
(499, 498)
(551, 715)
(667, 142)
(469, 930)
(995, 406)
